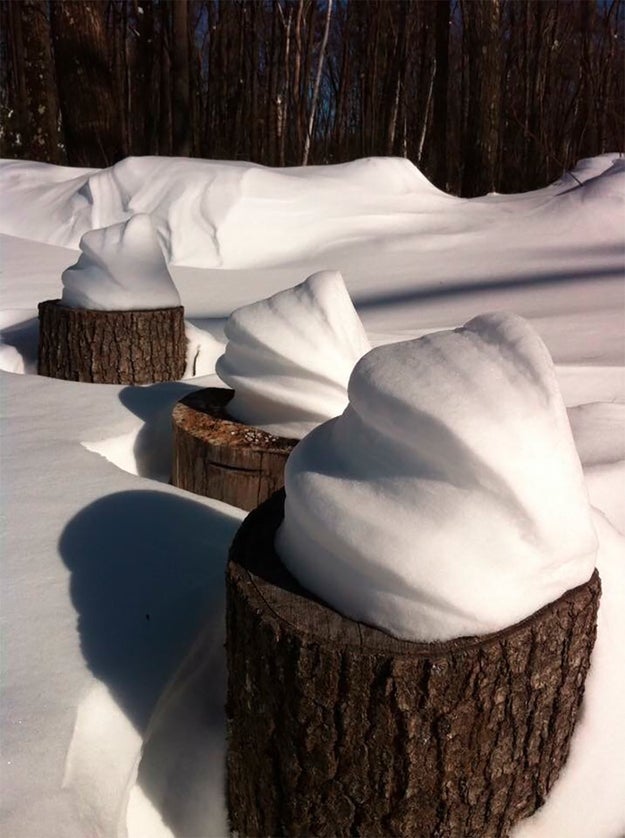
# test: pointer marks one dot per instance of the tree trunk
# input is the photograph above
(181, 88)
(90, 105)
(216, 456)
(315, 94)
(481, 20)
(41, 136)
(441, 80)
(336, 728)
(111, 347)
(165, 117)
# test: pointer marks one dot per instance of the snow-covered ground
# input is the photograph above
(108, 573)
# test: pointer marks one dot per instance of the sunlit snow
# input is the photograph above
(109, 573)
(449, 493)
(289, 358)
(120, 268)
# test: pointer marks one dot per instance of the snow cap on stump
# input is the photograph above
(120, 268)
(448, 499)
(289, 357)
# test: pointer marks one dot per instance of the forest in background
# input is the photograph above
(481, 95)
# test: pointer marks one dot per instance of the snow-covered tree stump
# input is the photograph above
(111, 347)
(336, 728)
(219, 457)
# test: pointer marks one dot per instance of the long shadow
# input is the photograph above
(523, 281)
(154, 405)
(145, 566)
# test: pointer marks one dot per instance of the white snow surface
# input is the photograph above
(289, 358)
(448, 499)
(93, 537)
(120, 268)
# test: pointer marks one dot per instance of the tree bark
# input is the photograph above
(216, 456)
(90, 104)
(41, 136)
(481, 20)
(336, 728)
(181, 88)
(441, 81)
(111, 347)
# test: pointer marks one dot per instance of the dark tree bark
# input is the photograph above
(441, 80)
(147, 81)
(483, 38)
(216, 456)
(90, 104)
(181, 88)
(20, 122)
(35, 66)
(111, 347)
(337, 729)
(165, 101)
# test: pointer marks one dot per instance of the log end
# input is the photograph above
(219, 457)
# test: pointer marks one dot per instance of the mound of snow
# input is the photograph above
(448, 499)
(121, 268)
(289, 358)
(236, 215)
(216, 213)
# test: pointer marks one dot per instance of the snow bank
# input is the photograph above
(448, 499)
(217, 213)
(235, 215)
(289, 358)
(121, 268)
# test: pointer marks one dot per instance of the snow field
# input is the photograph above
(93, 742)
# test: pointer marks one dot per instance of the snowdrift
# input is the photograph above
(219, 214)
(91, 742)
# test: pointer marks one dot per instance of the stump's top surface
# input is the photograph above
(277, 596)
(204, 415)
(101, 312)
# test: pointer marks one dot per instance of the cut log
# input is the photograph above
(336, 728)
(219, 457)
(111, 347)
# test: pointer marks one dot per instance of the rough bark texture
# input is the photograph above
(483, 35)
(217, 456)
(92, 123)
(336, 728)
(39, 110)
(111, 347)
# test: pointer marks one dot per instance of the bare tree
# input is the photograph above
(181, 87)
(315, 95)
(483, 39)
(87, 95)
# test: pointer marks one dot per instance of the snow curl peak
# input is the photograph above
(120, 268)
(289, 357)
(448, 500)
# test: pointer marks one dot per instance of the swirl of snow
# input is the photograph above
(120, 268)
(448, 499)
(289, 357)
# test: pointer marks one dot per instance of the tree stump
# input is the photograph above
(111, 347)
(336, 728)
(219, 457)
